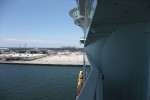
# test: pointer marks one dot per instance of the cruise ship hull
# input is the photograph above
(117, 45)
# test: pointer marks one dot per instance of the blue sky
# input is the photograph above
(38, 23)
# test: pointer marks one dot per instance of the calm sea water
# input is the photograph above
(31, 82)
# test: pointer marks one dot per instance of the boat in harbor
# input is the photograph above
(2, 58)
(117, 45)
(22, 56)
(28, 58)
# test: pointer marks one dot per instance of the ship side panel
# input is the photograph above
(125, 64)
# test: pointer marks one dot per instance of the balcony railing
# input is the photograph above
(78, 19)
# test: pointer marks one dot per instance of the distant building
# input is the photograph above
(34, 51)
(22, 51)
(4, 49)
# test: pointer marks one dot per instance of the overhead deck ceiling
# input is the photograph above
(113, 14)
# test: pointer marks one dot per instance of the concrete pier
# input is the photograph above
(74, 58)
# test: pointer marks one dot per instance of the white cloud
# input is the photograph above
(38, 42)
(11, 40)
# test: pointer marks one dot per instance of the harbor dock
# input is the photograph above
(74, 58)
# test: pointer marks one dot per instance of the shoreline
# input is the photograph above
(73, 59)
(14, 63)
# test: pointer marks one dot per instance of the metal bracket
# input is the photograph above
(101, 76)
